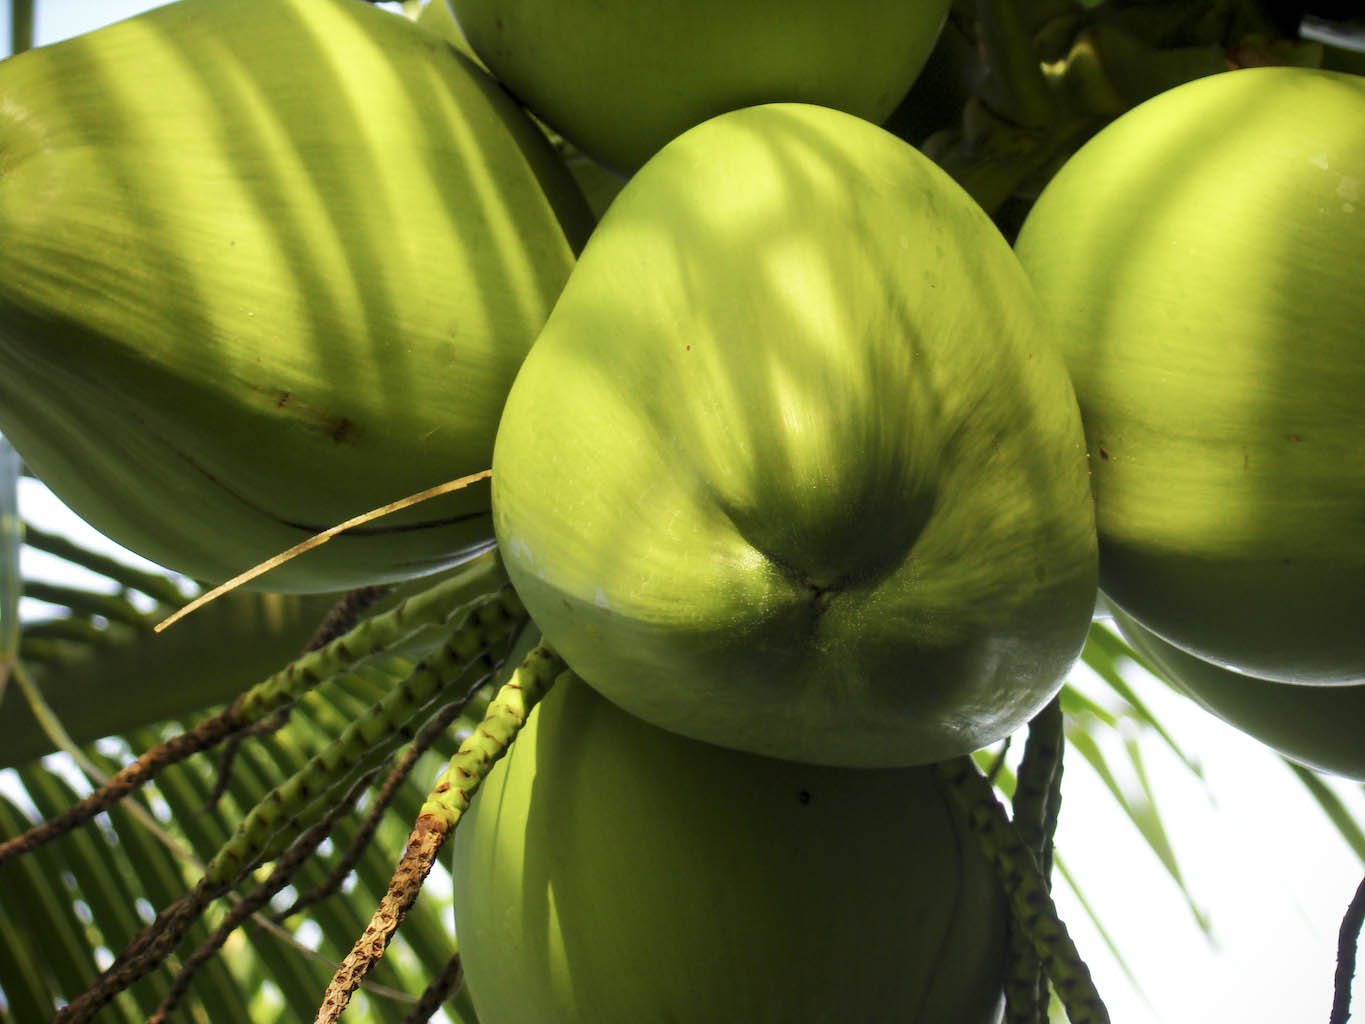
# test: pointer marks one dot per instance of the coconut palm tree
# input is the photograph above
(90, 692)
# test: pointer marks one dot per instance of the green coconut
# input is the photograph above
(268, 265)
(609, 872)
(622, 77)
(1202, 259)
(794, 466)
(1321, 727)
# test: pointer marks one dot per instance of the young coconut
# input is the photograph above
(793, 467)
(1202, 260)
(267, 265)
(619, 78)
(1321, 727)
(609, 872)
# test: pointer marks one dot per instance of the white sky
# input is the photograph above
(1260, 858)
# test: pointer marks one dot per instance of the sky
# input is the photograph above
(1263, 864)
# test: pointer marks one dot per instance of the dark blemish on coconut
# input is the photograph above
(342, 430)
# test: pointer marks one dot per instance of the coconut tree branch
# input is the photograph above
(127, 780)
(1035, 914)
(1037, 795)
(286, 867)
(439, 816)
(384, 797)
(344, 617)
(1347, 943)
(449, 980)
(282, 688)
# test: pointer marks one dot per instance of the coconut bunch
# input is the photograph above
(804, 481)
(1205, 292)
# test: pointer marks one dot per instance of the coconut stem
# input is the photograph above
(1347, 941)
(469, 645)
(342, 619)
(430, 607)
(286, 867)
(1037, 795)
(1035, 914)
(449, 980)
(384, 796)
(439, 816)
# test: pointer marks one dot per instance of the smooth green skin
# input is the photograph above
(266, 266)
(619, 78)
(1320, 727)
(793, 467)
(612, 873)
(1202, 259)
(436, 16)
(598, 185)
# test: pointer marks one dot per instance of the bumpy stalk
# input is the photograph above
(284, 870)
(439, 816)
(428, 608)
(144, 954)
(1035, 914)
(1037, 795)
(148, 766)
(344, 617)
(383, 798)
(467, 645)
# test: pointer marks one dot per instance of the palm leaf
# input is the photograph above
(11, 540)
(96, 887)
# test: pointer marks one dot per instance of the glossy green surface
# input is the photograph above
(619, 78)
(793, 467)
(1203, 260)
(1322, 727)
(612, 873)
(266, 265)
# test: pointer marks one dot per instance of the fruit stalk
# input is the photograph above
(1037, 797)
(470, 646)
(383, 797)
(1346, 956)
(286, 867)
(430, 607)
(439, 816)
(1035, 914)
(278, 814)
(344, 617)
